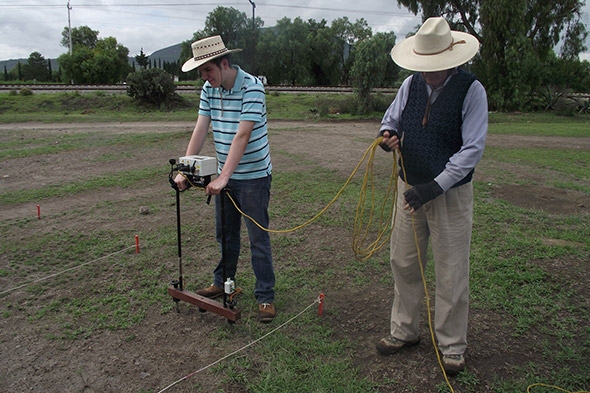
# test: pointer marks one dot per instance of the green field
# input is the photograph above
(81, 310)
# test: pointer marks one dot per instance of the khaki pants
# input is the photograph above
(447, 221)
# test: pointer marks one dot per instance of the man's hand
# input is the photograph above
(181, 182)
(420, 194)
(390, 140)
(216, 186)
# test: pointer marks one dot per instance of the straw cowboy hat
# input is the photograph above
(206, 49)
(435, 48)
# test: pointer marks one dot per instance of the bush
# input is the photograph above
(335, 105)
(152, 86)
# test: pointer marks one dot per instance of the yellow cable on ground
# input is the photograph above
(553, 387)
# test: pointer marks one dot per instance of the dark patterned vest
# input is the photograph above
(426, 150)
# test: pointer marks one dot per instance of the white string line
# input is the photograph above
(64, 271)
(241, 349)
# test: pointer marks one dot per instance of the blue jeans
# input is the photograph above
(252, 197)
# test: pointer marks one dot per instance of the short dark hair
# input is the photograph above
(217, 61)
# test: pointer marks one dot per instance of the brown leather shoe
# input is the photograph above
(453, 364)
(390, 345)
(266, 312)
(210, 292)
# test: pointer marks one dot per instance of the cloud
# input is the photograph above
(37, 25)
(26, 33)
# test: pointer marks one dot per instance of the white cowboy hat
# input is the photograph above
(204, 50)
(435, 47)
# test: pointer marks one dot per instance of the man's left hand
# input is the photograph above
(215, 187)
(422, 193)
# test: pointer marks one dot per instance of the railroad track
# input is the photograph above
(182, 89)
(187, 89)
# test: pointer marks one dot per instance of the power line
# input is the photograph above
(144, 5)
(119, 5)
(359, 11)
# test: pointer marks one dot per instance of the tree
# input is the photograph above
(142, 59)
(284, 53)
(325, 70)
(83, 36)
(372, 67)
(559, 78)
(35, 68)
(94, 61)
(235, 29)
(347, 34)
(516, 37)
(521, 56)
(310, 52)
(229, 23)
(110, 61)
(76, 68)
(292, 52)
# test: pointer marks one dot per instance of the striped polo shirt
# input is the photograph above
(245, 101)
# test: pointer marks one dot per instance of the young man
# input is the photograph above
(438, 121)
(234, 104)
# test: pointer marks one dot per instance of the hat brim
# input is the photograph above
(191, 63)
(403, 54)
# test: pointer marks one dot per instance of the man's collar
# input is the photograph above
(238, 81)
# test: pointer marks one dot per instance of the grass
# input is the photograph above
(511, 264)
(32, 145)
(539, 124)
(574, 175)
(97, 107)
(124, 179)
(514, 267)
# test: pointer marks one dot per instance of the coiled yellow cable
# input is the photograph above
(361, 229)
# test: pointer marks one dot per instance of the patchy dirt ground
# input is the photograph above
(165, 347)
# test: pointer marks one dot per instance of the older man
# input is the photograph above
(438, 121)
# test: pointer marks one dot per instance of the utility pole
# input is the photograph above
(70, 35)
(70, 27)
(253, 38)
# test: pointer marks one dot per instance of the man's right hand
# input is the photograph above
(390, 140)
(180, 182)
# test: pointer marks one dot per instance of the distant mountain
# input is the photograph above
(169, 54)
(12, 63)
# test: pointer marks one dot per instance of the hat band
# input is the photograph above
(450, 47)
(197, 58)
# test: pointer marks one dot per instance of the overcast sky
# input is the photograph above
(27, 26)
